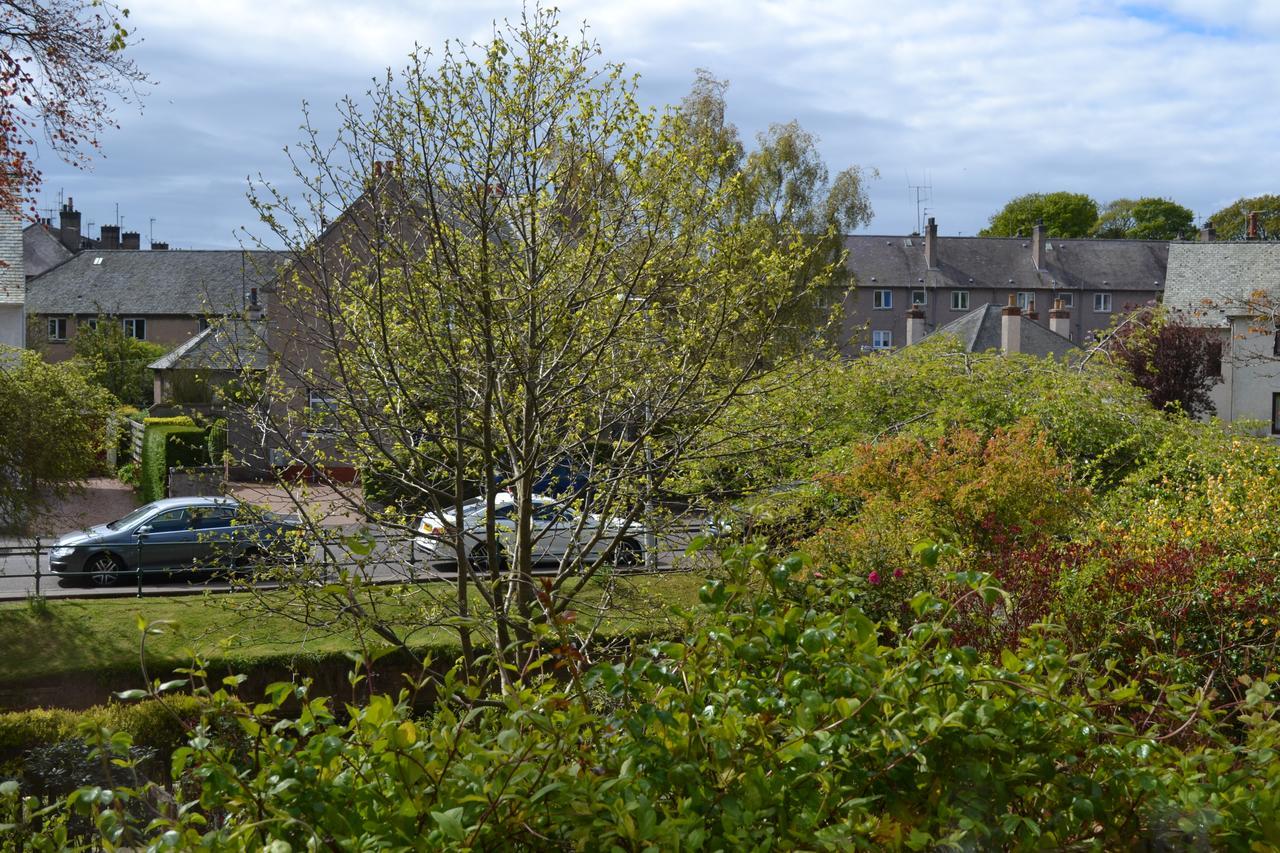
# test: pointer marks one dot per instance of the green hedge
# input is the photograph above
(176, 420)
(216, 441)
(168, 445)
(149, 723)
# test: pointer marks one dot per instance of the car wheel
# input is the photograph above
(479, 559)
(249, 561)
(103, 569)
(627, 554)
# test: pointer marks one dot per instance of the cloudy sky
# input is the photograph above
(981, 100)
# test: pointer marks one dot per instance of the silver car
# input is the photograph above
(559, 531)
(174, 534)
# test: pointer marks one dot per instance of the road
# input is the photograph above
(388, 562)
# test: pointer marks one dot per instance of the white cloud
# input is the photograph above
(991, 97)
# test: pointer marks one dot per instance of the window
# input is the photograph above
(881, 339)
(1275, 347)
(1213, 359)
(169, 521)
(57, 328)
(135, 327)
(882, 300)
(959, 300)
(1275, 414)
(90, 323)
(919, 298)
(212, 518)
(1026, 300)
(322, 410)
(204, 323)
(1068, 299)
(1102, 302)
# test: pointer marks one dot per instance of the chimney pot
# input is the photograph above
(1011, 327)
(1060, 319)
(915, 325)
(69, 226)
(131, 240)
(1254, 231)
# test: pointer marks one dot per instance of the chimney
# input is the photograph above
(131, 240)
(1037, 245)
(1060, 319)
(110, 237)
(1011, 327)
(931, 244)
(1208, 233)
(1253, 226)
(69, 226)
(1031, 310)
(254, 311)
(915, 325)
(159, 247)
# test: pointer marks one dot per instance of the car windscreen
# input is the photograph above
(135, 516)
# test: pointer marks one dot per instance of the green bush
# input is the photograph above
(149, 724)
(216, 441)
(174, 420)
(784, 721)
(166, 445)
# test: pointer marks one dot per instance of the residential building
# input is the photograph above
(1232, 289)
(948, 277)
(161, 296)
(12, 281)
(1007, 329)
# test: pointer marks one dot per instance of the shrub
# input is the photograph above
(165, 445)
(216, 441)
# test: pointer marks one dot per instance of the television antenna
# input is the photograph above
(921, 194)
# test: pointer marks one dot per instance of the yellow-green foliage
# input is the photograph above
(151, 723)
(175, 420)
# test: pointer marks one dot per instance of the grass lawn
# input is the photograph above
(62, 636)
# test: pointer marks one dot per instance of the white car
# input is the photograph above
(559, 531)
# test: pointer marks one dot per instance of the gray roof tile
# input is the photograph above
(120, 281)
(980, 330)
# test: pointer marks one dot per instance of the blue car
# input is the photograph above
(173, 535)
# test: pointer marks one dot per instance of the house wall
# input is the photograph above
(167, 330)
(861, 317)
(12, 281)
(1250, 375)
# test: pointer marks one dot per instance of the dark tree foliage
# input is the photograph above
(1064, 214)
(62, 67)
(1232, 222)
(1144, 219)
(1175, 363)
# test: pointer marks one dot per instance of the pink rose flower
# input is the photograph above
(874, 577)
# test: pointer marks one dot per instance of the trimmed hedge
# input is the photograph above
(176, 420)
(216, 441)
(168, 445)
(151, 724)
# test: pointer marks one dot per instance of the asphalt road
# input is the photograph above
(388, 562)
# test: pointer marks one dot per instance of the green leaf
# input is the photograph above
(450, 823)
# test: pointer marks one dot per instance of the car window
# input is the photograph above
(137, 515)
(548, 513)
(169, 520)
(214, 517)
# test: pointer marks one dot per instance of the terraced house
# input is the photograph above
(945, 278)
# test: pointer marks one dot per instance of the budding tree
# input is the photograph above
(509, 275)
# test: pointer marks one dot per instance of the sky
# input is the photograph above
(958, 105)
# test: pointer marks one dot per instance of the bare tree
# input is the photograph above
(509, 276)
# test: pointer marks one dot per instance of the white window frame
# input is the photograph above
(882, 300)
(1026, 299)
(923, 301)
(322, 410)
(1102, 303)
(57, 328)
(90, 323)
(1068, 299)
(133, 325)
(882, 339)
(959, 300)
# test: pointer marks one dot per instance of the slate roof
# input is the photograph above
(979, 331)
(129, 281)
(225, 345)
(41, 250)
(1207, 278)
(992, 261)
